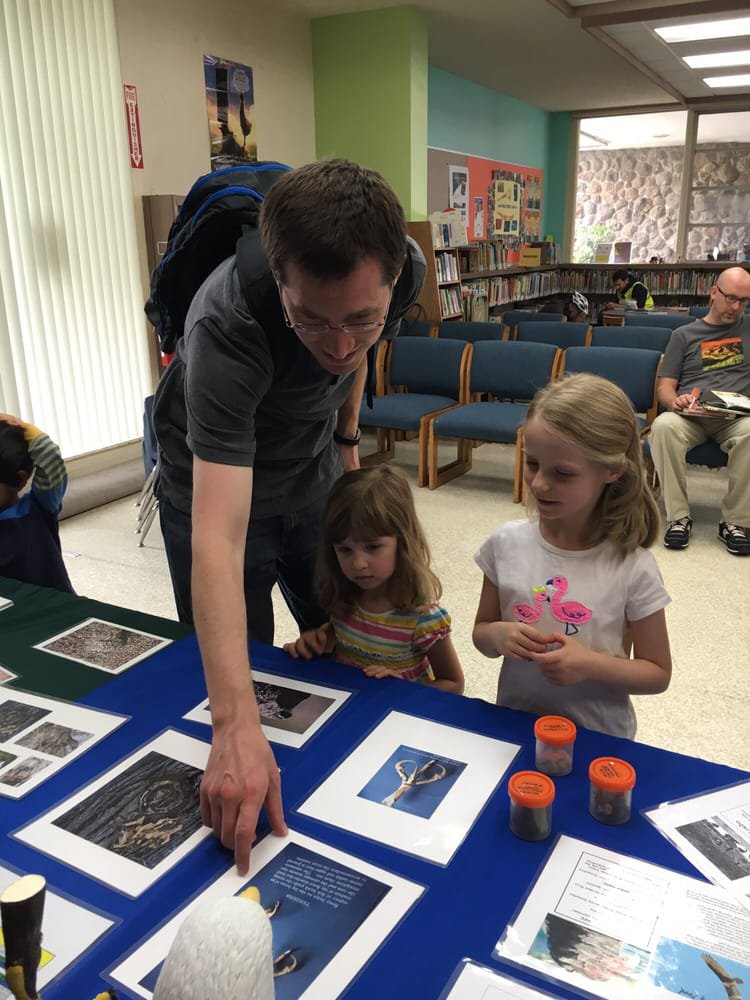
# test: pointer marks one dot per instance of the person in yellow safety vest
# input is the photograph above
(630, 289)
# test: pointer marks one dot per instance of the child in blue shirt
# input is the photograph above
(29, 537)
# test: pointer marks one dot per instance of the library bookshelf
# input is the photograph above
(461, 282)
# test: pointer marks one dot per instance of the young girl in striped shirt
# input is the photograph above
(375, 581)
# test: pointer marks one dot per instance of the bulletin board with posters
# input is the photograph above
(504, 199)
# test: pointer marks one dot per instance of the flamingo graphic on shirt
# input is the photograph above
(570, 613)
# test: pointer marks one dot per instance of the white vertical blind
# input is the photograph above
(73, 349)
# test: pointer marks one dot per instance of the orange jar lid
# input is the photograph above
(555, 730)
(531, 789)
(612, 774)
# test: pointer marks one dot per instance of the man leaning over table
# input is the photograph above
(258, 408)
(711, 353)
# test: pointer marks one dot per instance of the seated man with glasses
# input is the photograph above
(256, 417)
(709, 354)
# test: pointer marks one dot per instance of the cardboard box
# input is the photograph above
(530, 256)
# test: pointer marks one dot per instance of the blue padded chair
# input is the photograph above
(416, 328)
(472, 332)
(698, 312)
(431, 375)
(561, 335)
(672, 320)
(645, 338)
(513, 317)
(509, 371)
(709, 454)
(634, 371)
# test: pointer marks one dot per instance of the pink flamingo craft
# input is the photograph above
(571, 613)
(525, 612)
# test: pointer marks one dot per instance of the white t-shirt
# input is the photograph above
(592, 595)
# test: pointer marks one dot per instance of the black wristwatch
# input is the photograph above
(351, 442)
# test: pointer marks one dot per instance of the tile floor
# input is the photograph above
(705, 712)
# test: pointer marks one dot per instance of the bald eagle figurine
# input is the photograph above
(222, 951)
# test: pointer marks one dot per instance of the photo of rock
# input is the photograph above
(20, 773)
(103, 645)
(15, 716)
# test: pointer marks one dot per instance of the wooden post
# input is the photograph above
(21, 909)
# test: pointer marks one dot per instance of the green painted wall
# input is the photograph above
(478, 121)
(556, 173)
(371, 86)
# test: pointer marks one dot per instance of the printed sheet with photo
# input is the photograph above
(5, 602)
(39, 736)
(103, 645)
(471, 981)
(712, 831)
(291, 711)
(413, 784)
(68, 931)
(613, 926)
(329, 912)
(134, 822)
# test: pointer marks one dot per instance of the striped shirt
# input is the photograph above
(398, 640)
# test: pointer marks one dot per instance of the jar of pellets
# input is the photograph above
(611, 790)
(531, 797)
(555, 739)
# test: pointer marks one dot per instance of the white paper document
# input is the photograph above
(614, 926)
(329, 912)
(133, 823)
(413, 784)
(68, 931)
(291, 711)
(5, 602)
(103, 645)
(477, 982)
(6, 675)
(713, 832)
(39, 736)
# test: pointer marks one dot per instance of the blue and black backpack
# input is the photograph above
(219, 209)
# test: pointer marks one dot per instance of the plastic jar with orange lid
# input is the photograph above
(555, 739)
(531, 797)
(611, 790)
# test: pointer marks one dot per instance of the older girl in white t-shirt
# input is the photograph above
(567, 595)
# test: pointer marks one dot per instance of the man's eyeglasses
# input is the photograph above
(734, 300)
(321, 329)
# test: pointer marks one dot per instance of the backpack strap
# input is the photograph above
(256, 280)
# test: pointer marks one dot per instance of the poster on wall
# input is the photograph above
(477, 228)
(230, 103)
(459, 190)
(507, 208)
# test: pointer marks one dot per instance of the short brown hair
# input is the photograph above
(374, 503)
(596, 416)
(329, 216)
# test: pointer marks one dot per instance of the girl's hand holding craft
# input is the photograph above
(570, 663)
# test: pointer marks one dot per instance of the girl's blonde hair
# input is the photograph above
(597, 417)
(373, 503)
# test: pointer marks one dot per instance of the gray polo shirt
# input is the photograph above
(705, 356)
(246, 392)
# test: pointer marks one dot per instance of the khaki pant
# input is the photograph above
(672, 436)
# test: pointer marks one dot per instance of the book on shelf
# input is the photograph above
(602, 253)
(488, 255)
(446, 266)
(448, 229)
(450, 301)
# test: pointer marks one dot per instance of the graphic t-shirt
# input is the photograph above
(702, 355)
(591, 595)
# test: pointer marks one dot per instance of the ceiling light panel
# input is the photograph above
(699, 30)
(739, 80)
(714, 60)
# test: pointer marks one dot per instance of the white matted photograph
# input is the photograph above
(291, 711)
(413, 784)
(329, 913)
(103, 645)
(712, 831)
(6, 675)
(471, 981)
(68, 931)
(134, 822)
(40, 735)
